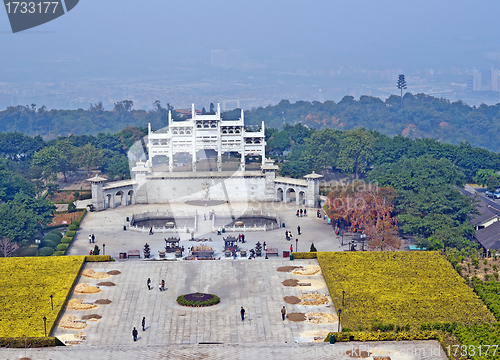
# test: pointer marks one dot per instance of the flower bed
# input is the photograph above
(64, 218)
(198, 300)
(399, 288)
(26, 285)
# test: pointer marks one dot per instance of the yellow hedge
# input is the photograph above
(97, 258)
(399, 288)
(26, 284)
(382, 336)
(305, 255)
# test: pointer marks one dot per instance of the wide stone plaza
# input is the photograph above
(107, 226)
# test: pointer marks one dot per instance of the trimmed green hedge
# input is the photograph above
(30, 342)
(66, 240)
(59, 253)
(46, 251)
(70, 234)
(56, 233)
(305, 255)
(97, 258)
(84, 212)
(72, 227)
(62, 247)
(382, 336)
(75, 222)
(46, 244)
(52, 237)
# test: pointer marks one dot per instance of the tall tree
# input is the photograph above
(356, 151)
(87, 156)
(401, 86)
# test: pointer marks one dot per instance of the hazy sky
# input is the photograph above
(101, 38)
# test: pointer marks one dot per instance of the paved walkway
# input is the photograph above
(402, 350)
(255, 285)
(108, 229)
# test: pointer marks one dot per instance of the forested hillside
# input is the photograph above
(421, 116)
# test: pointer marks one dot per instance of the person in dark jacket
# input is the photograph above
(242, 312)
(134, 334)
(143, 324)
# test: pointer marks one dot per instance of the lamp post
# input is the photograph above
(343, 293)
(104, 249)
(45, 325)
(52, 301)
(340, 310)
(296, 243)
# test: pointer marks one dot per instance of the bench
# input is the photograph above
(134, 253)
(272, 251)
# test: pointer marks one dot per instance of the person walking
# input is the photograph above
(243, 238)
(300, 212)
(163, 285)
(291, 248)
(149, 284)
(242, 312)
(283, 313)
(305, 212)
(297, 213)
(144, 323)
(159, 286)
(134, 334)
(151, 231)
(286, 234)
(90, 239)
(93, 238)
(298, 229)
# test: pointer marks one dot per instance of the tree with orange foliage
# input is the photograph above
(367, 208)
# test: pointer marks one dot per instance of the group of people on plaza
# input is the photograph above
(301, 212)
(161, 285)
(288, 233)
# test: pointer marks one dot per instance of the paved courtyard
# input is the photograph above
(255, 285)
(108, 229)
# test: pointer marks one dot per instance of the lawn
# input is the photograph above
(399, 288)
(27, 284)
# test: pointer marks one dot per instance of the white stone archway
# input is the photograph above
(119, 198)
(279, 194)
(130, 197)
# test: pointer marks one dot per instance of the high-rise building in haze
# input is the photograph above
(495, 74)
(474, 80)
(225, 59)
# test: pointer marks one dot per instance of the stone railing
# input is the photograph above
(152, 215)
(244, 228)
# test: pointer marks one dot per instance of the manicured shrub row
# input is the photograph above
(46, 251)
(66, 240)
(182, 301)
(62, 247)
(73, 227)
(70, 234)
(29, 342)
(305, 255)
(29, 281)
(58, 253)
(399, 288)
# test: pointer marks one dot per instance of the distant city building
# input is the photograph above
(244, 104)
(225, 59)
(474, 80)
(495, 73)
